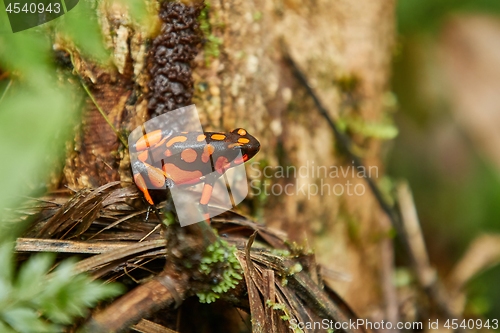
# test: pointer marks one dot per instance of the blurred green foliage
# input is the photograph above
(455, 202)
(417, 16)
(37, 106)
(38, 109)
(35, 112)
(34, 301)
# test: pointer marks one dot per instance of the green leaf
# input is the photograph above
(139, 12)
(6, 274)
(66, 296)
(7, 264)
(427, 15)
(33, 62)
(25, 320)
(4, 328)
(80, 25)
(30, 279)
(30, 122)
(35, 114)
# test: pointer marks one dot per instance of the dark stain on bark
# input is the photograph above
(171, 56)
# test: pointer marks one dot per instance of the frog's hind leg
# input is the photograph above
(141, 185)
(156, 178)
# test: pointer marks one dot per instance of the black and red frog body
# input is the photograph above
(188, 158)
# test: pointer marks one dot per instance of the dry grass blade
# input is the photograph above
(318, 300)
(147, 326)
(120, 195)
(270, 296)
(483, 253)
(81, 210)
(295, 297)
(259, 319)
(274, 238)
(427, 276)
(282, 283)
(299, 284)
(63, 246)
(411, 225)
(114, 224)
(118, 256)
(299, 311)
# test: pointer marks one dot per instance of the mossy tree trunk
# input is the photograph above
(241, 80)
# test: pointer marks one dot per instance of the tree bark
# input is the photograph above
(345, 49)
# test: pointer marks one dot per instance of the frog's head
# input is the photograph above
(245, 142)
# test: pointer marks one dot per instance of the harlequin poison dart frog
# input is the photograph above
(189, 158)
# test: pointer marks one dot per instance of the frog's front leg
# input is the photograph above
(206, 194)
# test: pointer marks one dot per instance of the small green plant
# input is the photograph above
(219, 261)
(286, 314)
(34, 300)
(384, 130)
(212, 43)
(169, 218)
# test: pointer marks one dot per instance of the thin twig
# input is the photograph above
(433, 289)
(65, 246)
(91, 263)
(409, 218)
(426, 275)
(138, 303)
(147, 326)
(114, 224)
(5, 90)
(151, 232)
(346, 145)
